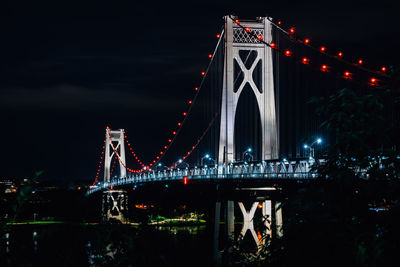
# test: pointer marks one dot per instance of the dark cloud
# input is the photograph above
(69, 97)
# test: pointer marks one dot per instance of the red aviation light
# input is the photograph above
(373, 81)
(288, 53)
(279, 22)
(157, 157)
(340, 54)
(184, 113)
(174, 133)
(196, 88)
(383, 69)
(210, 55)
(179, 124)
(165, 147)
(161, 152)
(292, 30)
(323, 48)
(324, 68)
(305, 60)
(169, 140)
(203, 73)
(347, 75)
(360, 61)
(218, 35)
(306, 41)
(190, 102)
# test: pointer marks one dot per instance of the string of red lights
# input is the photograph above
(112, 166)
(186, 113)
(98, 167)
(132, 151)
(293, 37)
(119, 158)
(198, 141)
(373, 81)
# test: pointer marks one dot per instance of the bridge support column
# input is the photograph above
(278, 220)
(217, 219)
(115, 205)
(230, 219)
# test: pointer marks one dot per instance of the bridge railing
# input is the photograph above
(300, 169)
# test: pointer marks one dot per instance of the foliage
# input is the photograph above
(329, 222)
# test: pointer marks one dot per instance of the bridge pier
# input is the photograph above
(262, 207)
(115, 206)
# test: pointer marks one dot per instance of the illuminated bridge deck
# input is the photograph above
(301, 169)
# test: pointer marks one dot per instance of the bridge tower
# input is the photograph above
(236, 39)
(111, 149)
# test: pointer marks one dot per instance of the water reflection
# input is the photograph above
(102, 245)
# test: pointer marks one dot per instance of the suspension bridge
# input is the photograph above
(247, 120)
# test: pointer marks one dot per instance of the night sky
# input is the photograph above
(69, 69)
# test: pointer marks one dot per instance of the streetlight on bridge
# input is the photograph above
(310, 147)
(208, 158)
(181, 162)
(247, 153)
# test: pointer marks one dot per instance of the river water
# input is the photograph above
(106, 245)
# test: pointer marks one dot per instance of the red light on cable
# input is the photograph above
(218, 35)
(174, 133)
(165, 147)
(247, 29)
(169, 140)
(179, 124)
(324, 67)
(190, 102)
(209, 55)
(203, 73)
(259, 37)
(383, 69)
(305, 60)
(279, 22)
(360, 61)
(273, 45)
(373, 81)
(292, 30)
(236, 21)
(340, 54)
(184, 113)
(196, 88)
(288, 53)
(347, 75)
(323, 48)
(306, 41)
